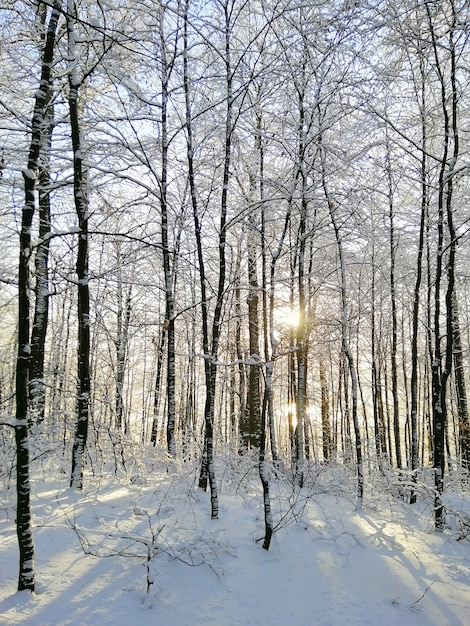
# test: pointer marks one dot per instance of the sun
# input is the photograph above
(288, 316)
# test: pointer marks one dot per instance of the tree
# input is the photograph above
(442, 363)
(348, 352)
(123, 315)
(37, 388)
(81, 202)
(460, 387)
(38, 123)
(414, 461)
(250, 434)
(165, 69)
(327, 442)
(393, 302)
(207, 472)
(80, 196)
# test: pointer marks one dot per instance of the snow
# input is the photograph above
(139, 547)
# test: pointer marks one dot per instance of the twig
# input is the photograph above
(413, 606)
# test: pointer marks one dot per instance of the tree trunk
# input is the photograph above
(207, 470)
(167, 269)
(441, 367)
(121, 344)
(301, 334)
(325, 416)
(26, 578)
(375, 375)
(158, 384)
(268, 309)
(83, 292)
(346, 347)
(263, 470)
(460, 390)
(414, 452)
(393, 353)
(37, 388)
(207, 462)
(242, 413)
(252, 436)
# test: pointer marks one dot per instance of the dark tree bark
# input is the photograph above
(301, 334)
(37, 388)
(207, 471)
(207, 462)
(167, 266)
(242, 413)
(346, 343)
(442, 362)
(262, 466)
(393, 301)
(251, 438)
(26, 578)
(325, 416)
(268, 310)
(121, 343)
(414, 451)
(83, 289)
(158, 384)
(460, 389)
(376, 382)
(292, 375)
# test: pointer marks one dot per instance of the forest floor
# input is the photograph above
(140, 548)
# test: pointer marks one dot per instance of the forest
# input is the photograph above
(235, 234)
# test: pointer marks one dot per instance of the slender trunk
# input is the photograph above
(441, 367)
(37, 388)
(267, 313)
(267, 413)
(207, 471)
(376, 385)
(346, 346)
(158, 385)
(242, 414)
(167, 270)
(251, 437)
(301, 335)
(301, 389)
(26, 577)
(273, 341)
(416, 297)
(460, 390)
(122, 343)
(263, 470)
(325, 415)
(83, 293)
(292, 381)
(352, 370)
(394, 347)
(207, 464)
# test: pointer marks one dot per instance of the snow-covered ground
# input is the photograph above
(141, 549)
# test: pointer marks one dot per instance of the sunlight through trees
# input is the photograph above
(242, 228)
